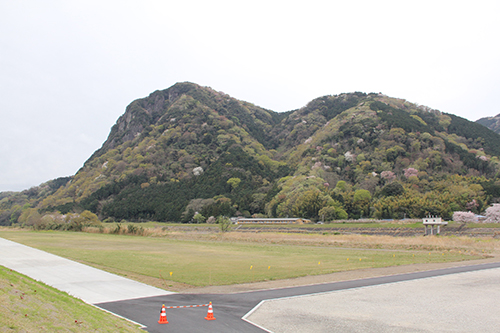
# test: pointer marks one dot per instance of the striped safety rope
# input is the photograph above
(185, 306)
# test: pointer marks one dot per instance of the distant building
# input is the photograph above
(433, 225)
(272, 221)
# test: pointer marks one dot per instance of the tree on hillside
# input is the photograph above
(389, 176)
(234, 182)
(333, 212)
(361, 202)
(411, 172)
(311, 202)
(30, 217)
(220, 207)
(392, 189)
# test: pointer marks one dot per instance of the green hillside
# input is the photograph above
(493, 123)
(191, 149)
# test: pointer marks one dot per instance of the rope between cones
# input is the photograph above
(185, 306)
(163, 312)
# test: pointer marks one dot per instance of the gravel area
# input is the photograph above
(465, 302)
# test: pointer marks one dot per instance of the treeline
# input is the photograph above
(409, 197)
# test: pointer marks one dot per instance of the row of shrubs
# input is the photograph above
(118, 229)
(58, 221)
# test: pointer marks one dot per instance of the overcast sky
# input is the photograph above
(68, 69)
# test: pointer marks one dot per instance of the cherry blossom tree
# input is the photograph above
(410, 172)
(388, 175)
(465, 217)
(349, 157)
(493, 214)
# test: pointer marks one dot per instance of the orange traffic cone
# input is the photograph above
(210, 314)
(163, 316)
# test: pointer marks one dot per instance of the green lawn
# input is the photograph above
(201, 263)
(30, 306)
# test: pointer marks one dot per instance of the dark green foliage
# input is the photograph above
(474, 131)
(219, 209)
(469, 160)
(431, 120)
(166, 201)
(156, 202)
(234, 109)
(331, 107)
(398, 118)
(392, 189)
(5, 218)
(493, 123)
(188, 217)
(278, 117)
(63, 209)
(491, 188)
(55, 184)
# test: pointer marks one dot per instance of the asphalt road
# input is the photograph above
(230, 308)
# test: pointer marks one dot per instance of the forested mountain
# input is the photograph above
(493, 123)
(192, 149)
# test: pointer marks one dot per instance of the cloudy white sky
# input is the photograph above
(68, 69)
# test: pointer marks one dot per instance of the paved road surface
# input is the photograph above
(228, 309)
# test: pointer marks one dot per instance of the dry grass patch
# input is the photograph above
(210, 233)
(201, 259)
(424, 243)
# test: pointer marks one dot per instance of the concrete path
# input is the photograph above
(87, 283)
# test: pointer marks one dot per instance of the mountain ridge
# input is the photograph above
(493, 123)
(346, 155)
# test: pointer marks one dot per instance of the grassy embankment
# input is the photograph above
(173, 260)
(30, 306)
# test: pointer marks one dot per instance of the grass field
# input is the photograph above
(375, 224)
(221, 259)
(30, 306)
